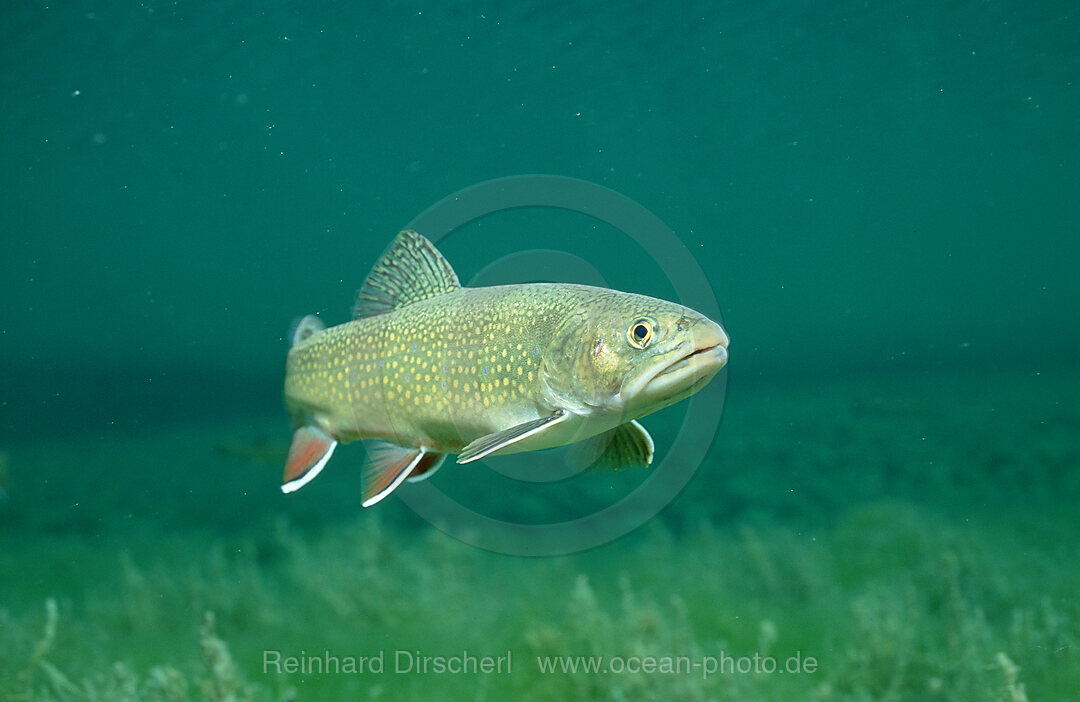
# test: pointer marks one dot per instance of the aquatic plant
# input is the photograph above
(903, 598)
(36, 677)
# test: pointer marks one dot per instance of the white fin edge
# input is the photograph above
(397, 481)
(648, 437)
(427, 473)
(540, 423)
(294, 485)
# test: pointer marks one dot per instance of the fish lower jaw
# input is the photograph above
(689, 371)
(702, 357)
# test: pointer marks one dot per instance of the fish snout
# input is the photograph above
(709, 338)
(700, 355)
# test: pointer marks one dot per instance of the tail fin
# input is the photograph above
(303, 328)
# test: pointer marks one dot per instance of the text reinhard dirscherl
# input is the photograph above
(404, 662)
(399, 662)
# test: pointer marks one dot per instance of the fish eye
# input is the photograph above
(640, 333)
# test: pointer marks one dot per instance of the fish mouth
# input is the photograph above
(707, 355)
(698, 358)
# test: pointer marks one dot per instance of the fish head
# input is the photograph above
(630, 355)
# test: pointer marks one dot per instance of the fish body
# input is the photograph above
(429, 368)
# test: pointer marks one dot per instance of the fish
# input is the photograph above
(258, 450)
(428, 368)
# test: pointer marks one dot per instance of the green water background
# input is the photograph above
(882, 195)
(870, 185)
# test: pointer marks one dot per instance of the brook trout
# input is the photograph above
(429, 368)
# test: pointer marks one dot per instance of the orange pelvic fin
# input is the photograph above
(390, 465)
(426, 468)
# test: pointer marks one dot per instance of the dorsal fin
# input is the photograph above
(411, 269)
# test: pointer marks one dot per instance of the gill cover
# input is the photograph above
(579, 370)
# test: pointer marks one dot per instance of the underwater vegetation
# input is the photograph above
(894, 604)
(911, 567)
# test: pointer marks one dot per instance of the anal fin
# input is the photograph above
(310, 450)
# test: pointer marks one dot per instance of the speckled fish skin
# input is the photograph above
(444, 371)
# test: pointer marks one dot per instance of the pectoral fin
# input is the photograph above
(311, 449)
(626, 446)
(391, 464)
(493, 442)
